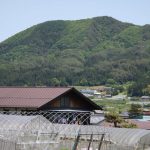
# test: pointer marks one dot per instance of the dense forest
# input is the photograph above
(83, 52)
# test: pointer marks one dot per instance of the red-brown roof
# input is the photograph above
(28, 97)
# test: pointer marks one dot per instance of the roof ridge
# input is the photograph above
(35, 87)
(26, 97)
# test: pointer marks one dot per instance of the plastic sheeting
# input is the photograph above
(118, 136)
(36, 132)
(7, 145)
(19, 122)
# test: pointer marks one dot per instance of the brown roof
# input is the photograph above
(28, 97)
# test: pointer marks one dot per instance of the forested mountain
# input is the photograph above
(82, 52)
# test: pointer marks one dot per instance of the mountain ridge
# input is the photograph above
(82, 52)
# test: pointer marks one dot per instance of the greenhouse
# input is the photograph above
(113, 138)
(26, 132)
(19, 132)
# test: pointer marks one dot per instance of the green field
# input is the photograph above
(118, 105)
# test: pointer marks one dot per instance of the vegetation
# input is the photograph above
(140, 87)
(135, 110)
(113, 117)
(118, 105)
(126, 124)
(87, 52)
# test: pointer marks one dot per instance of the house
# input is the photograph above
(124, 115)
(91, 93)
(88, 91)
(146, 111)
(145, 98)
(65, 99)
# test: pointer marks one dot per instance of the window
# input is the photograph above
(64, 102)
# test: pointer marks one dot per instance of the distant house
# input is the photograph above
(45, 99)
(108, 96)
(88, 91)
(91, 93)
(97, 95)
(145, 98)
(124, 115)
(146, 111)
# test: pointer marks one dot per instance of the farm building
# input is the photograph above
(145, 98)
(71, 102)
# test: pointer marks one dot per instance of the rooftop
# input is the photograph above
(33, 97)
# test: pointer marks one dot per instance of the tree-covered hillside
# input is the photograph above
(82, 52)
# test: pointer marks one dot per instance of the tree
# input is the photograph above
(110, 82)
(55, 82)
(83, 82)
(135, 110)
(113, 117)
(114, 91)
(146, 91)
(135, 89)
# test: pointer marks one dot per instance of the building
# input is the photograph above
(57, 100)
(88, 91)
(145, 98)
(91, 93)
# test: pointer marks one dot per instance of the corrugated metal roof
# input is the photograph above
(28, 97)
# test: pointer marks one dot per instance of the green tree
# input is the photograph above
(54, 82)
(110, 82)
(113, 117)
(136, 89)
(135, 110)
(146, 91)
(83, 82)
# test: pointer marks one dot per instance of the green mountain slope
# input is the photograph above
(82, 52)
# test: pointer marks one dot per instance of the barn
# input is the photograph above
(61, 104)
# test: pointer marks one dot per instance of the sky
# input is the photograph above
(18, 15)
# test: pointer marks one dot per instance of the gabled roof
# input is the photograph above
(28, 97)
(34, 97)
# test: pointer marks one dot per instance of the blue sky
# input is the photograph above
(17, 15)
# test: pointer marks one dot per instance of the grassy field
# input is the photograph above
(118, 105)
